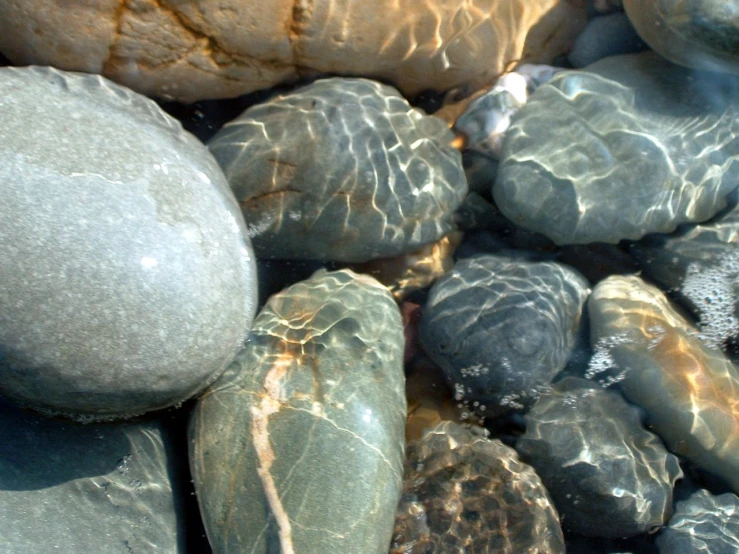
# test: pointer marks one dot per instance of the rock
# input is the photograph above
(594, 155)
(465, 493)
(341, 170)
(502, 328)
(190, 51)
(689, 391)
(703, 34)
(128, 281)
(104, 488)
(608, 35)
(598, 462)
(703, 523)
(298, 447)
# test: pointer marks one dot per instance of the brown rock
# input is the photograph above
(198, 49)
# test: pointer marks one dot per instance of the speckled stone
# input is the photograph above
(502, 328)
(298, 447)
(341, 170)
(690, 391)
(598, 462)
(103, 488)
(634, 145)
(128, 281)
(703, 34)
(464, 493)
(703, 523)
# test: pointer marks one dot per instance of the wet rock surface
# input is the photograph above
(593, 156)
(703, 523)
(502, 328)
(463, 492)
(341, 170)
(690, 391)
(598, 462)
(316, 399)
(107, 488)
(128, 281)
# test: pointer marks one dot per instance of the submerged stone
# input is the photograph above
(107, 488)
(594, 156)
(598, 462)
(463, 492)
(703, 523)
(128, 280)
(502, 328)
(298, 447)
(341, 170)
(690, 391)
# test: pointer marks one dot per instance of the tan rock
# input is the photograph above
(196, 49)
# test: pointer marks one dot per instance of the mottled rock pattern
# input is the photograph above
(298, 447)
(595, 156)
(598, 462)
(689, 391)
(128, 280)
(464, 493)
(502, 328)
(216, 49)
(107, 488)
(703, 523)
(341, 170)
(703, 34)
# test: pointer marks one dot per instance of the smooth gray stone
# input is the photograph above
(102, 488)
(298, 447)
(598, 462)
(341, 170)
(463, 492)
(127, 280)
(634, 145)
(604, 36)
(501, 328)
(704, 524)
(703, 34)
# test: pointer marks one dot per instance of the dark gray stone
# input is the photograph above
(465, 493)
(341, 170)
(127, 280)
(703, 34)
(608, 35)
(103, 488)
(298, 447)
(502, 328)
(598, 462)
(703, 523)
(634, 145)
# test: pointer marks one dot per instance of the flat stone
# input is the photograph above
(598, 462)
(298, 447)
(703, 523)
(463, 492)
(103, 488)
(690, 391)
(128, 280)
(341, 170)
(501, 328)
(594, 155)
(209, 49)
(703, 34)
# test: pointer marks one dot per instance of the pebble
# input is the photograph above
(128, 280)
(501, 328)
(598, 462)
(608, 35)
(463, 492)
(298, 447)
(341, 170)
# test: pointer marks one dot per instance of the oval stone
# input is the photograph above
(298, 447)
(128, 281)
(341, 170)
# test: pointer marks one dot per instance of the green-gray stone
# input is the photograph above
(298, 447)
